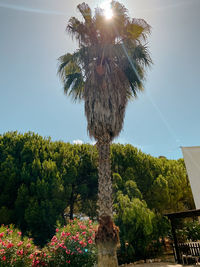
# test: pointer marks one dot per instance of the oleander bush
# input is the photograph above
(16, 250)
(72, 245)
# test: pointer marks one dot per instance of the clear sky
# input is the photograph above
(163, 118)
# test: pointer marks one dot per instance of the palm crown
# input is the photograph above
(108, 68)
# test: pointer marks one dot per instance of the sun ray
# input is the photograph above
(106, 6)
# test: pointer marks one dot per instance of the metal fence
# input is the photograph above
(188, 251)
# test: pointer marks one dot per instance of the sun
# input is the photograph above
(106, 6)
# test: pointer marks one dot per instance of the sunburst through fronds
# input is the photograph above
(106, 6)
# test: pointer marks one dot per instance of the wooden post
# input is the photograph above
(175, 241)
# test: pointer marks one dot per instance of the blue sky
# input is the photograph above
(163, 118)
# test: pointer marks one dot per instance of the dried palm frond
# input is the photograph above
(108, 68)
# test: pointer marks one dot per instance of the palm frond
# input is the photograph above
(78, 30)
(86, 12)
(74, 86)
(144, 25)
(142, 55)
(71, 75)
(64, 60)
(108, 68)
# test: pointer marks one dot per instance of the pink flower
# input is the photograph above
(57, 230)
(2, 251)
(19, 233)
(63, 234)
(35, 262)
(1, 234)
(10, 245)
(31, 256)
(61, 245)
(20, 252)
(20, 243)
(28, 245)
(83, 233)
(54, 238)
(4, 258)
(90, 241)
(83, 227)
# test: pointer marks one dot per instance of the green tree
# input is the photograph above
(151, 175)
(136, 226)
(127, 187)
(159, 194)
(106, 70)
(37, 176)
(79, 174)
(29, 175)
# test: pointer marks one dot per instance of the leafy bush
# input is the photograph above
(135, 221)
(189, 231)
(193, 229)
(15, 250)
(72, 245)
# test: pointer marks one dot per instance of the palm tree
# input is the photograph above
(106, 71)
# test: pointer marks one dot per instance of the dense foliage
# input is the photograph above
(73, 245)
(188, 230)
(42, 182)
(39, 179)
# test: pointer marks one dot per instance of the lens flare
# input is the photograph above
(106, 6)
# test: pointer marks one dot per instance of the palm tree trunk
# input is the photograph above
(107, 236)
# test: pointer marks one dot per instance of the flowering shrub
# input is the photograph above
(15, 250)
(72, 245)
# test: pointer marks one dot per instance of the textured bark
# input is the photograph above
(105, 100)
(104, 183)
(107, 236)
(107, 256)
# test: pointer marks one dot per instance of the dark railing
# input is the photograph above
(188, 251)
